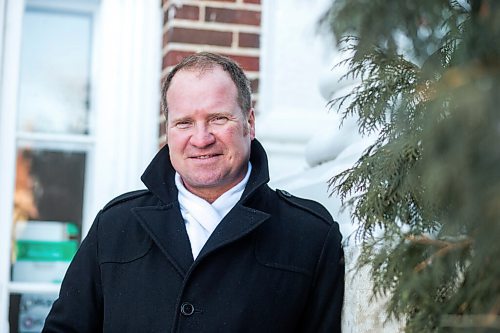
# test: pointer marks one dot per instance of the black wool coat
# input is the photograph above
(273, 264)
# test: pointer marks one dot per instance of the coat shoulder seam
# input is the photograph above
(307, 205)
(125, 197)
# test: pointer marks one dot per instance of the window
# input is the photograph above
(54, 139)
(79, 113)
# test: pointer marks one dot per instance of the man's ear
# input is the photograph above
(251, 123)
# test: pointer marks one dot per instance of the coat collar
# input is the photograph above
(159, 175)
(165, 225)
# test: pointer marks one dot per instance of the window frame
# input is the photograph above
(124, 136)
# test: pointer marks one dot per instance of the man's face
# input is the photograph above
(208, 134)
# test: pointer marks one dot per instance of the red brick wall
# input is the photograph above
(228, 27)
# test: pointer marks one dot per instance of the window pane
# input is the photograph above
(48, 205)
(28, 311)
(55, 67)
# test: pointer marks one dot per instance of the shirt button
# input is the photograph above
(187, 309)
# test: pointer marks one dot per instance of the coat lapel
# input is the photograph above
(166, 227)
(237, 223)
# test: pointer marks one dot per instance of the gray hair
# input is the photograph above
(205, 61)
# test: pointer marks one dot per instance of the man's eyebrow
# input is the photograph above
(218, 114)
(181, 119)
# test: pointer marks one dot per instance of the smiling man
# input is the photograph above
(208, 247)
(208, 133)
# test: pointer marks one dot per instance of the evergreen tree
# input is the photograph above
(426, 194)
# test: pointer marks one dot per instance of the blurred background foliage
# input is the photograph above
(426, 194)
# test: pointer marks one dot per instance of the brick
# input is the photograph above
(186, 12)
(165, 39)
(172, 58)
(249, 40)
(255, 85)
(254, 103)
(235, 16)
(248, 63)
(198, 36)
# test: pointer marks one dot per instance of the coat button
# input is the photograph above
(187, 309)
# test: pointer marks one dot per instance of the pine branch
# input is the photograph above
(433, 171)
(444, 248)
(484, 321)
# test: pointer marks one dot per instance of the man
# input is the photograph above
(208, 247)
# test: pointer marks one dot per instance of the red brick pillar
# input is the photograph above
(227, 27)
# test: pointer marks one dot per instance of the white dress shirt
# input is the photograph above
(200, 217)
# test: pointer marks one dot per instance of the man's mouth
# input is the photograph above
(204, 157)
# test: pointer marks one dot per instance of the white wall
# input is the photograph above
(303, 140)
(291, 108)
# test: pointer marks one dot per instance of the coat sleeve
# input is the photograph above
(79, 307)
(323, 313)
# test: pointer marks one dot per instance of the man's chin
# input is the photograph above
(205, 183)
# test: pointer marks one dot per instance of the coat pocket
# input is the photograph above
(123, 245)
(281, 258)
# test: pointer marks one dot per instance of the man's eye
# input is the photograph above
(183, 124)
(219, 120)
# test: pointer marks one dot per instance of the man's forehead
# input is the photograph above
(199, 71)
(189, 77)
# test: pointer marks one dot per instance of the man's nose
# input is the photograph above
(202, 136)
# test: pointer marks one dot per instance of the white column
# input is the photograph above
(9, 81)
(127, 95)
(3, 4)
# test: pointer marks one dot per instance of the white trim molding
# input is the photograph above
(127, 100)
(9, 81)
